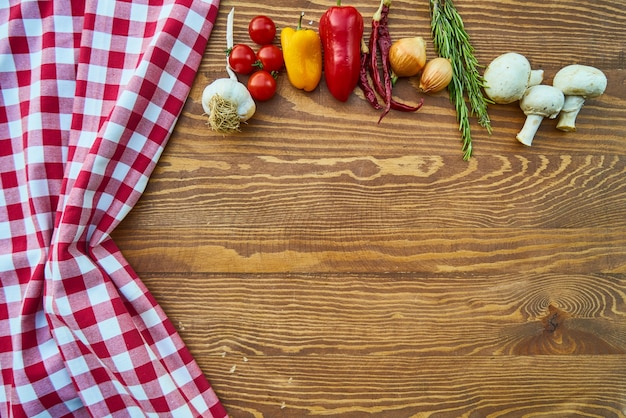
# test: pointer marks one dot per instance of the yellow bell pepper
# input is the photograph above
(302, 51)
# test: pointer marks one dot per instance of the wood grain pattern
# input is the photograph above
(409, 314)
(402, 386)
(320, 264)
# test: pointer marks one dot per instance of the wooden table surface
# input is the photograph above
(320, 264)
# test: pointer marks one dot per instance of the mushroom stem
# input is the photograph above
(531, 125)
(567, 119)
(535, 78)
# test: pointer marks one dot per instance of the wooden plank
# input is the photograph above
(407, 386)
(366, 191)
(397, 314)
(469, 250)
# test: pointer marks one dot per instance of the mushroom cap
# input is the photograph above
(542, 100)
(506, 77)
(580, 80)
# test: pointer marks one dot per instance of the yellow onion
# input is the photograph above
(436, 76)
(407, 56)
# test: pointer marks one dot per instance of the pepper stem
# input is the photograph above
(338, 2)
(300, 21)
(379, 12)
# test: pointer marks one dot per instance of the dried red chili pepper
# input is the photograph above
(341, 31)
(364, 82)
(384, 45)
(373, 46)
(380, 43)
(406, 107)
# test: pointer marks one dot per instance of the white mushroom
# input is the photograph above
(508, 76)
(578, 83)
(538, 102)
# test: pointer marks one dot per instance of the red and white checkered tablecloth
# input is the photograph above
(89, 94)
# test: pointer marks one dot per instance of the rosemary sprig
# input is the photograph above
(452, 41)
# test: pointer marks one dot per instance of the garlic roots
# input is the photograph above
(227, 103)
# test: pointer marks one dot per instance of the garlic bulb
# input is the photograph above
(407, 56)
(226, 101)
(436, 76)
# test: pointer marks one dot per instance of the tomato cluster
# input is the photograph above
(263, 65)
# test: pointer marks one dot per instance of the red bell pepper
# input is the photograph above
(341, 31)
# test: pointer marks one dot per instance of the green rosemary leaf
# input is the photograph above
(451, 41)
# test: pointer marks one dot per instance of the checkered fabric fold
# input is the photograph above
(89, 94)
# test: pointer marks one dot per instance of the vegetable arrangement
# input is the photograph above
(264, 64)
(341, 53)
(226, 101)
(509, 78)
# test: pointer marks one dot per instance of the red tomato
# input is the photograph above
(262, 30)
(242, 58)
(271, 58)
(262, 85)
